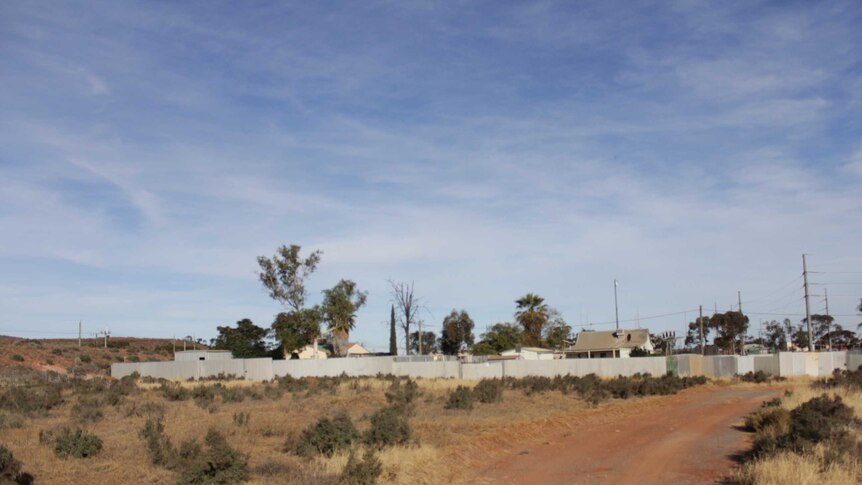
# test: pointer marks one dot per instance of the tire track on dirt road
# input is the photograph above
(690, 440)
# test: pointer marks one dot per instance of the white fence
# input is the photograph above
(815, 364)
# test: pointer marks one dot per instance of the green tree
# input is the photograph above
(500, 337)
(245, 341)
(285, 273)
(532, 314)
(692, 337)
(393, 345)
(730, 328)
(284, 277)
(821, 325)
(296, 329)
(429, 342)
(339, 308)
(557, 334)
(457, 332)
(778, 334)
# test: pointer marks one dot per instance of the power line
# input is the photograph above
(612, 322)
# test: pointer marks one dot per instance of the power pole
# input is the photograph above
(79, 333)
(700, 319)
(826, 297)
(616, 306)
(807, 304)
(739, 300)
(420, 336)
(174, 341)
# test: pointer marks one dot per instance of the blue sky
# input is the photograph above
(481, 149)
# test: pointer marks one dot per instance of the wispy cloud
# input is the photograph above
(152, 151)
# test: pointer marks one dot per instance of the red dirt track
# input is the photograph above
(691, 438)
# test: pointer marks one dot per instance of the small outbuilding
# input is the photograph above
(609, 343)
(528, 353)
(192, 355)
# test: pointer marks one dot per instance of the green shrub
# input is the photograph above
(49, 361)
(759, 377)
(402, 398)
(87, 410)
(241, 419)
(57, 351)
(772, 420)
(18, 358)
(77, 443)
(460, 398)
(362, 472)
(843, 378)
(820, 419)
(389, 427)
(218, 463)
(10, 469)
(174, 391)
(86, 359)
(327, 436)
(31, 400)
(488, 391)
(11, 421)
(148, 409)
(159, 446)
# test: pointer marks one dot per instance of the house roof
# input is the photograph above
(357, 349)
(611, 339)
(537, 350)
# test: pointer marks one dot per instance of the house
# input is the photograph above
(192, 355)
(356, 350)
(311, 351)
(609, 343)
(528, 353)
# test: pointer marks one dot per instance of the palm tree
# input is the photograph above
(532, 315)
(340, 305)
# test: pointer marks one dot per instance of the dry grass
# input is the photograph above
(813, 468)
(445, 440)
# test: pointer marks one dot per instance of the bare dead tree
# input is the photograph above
(407, 307)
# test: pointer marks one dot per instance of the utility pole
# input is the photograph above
(420, 336)
(826, 297)
(739, 300)
(807, 304)
(174, 341)
(79, 333)
(616, 306)
(700, 319)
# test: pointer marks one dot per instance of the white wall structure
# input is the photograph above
(197, 355)
(816, 364)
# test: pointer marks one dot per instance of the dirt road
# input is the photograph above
(691, 438)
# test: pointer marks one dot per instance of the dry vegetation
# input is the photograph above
(264, 422)
(821, 447)
(21, 358)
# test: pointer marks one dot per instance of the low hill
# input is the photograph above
(64, 356)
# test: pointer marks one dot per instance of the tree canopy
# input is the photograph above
(457, 332)
(532, 315)
(729, 327)
(245, 341)
(296, 329)
(285, 273)
(500, 337)
(429, 342)
(338, 309)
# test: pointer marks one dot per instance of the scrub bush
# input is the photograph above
(77, 443)
(389, 427)
(460, 398)
(327, 436)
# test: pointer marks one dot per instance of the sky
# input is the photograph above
(482, 150)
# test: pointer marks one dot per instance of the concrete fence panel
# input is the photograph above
(258, 369)
(212, 368)
(766, 363)
(355, 367)
(428, 370)
(744, 364)
(486, 370)
(854, 361)
(689, 365)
